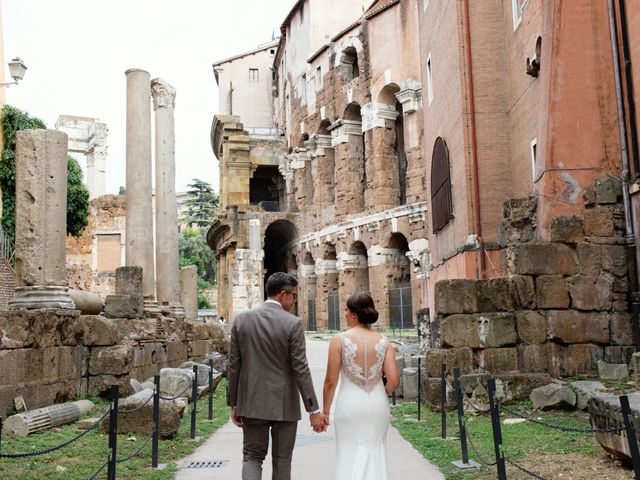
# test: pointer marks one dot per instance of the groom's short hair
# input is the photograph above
(280, 281)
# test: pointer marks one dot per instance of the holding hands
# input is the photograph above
(319, 422)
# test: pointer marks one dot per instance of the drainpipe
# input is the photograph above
(635, 296)
(474, 146)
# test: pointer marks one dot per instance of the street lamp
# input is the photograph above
(16, 70)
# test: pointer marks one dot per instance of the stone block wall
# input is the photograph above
(7, 283)
(563, 307)
(52, 356)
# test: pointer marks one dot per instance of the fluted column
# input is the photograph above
(41, 220)
(167, 268)
(139, 234)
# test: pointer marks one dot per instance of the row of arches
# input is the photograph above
(332, 272)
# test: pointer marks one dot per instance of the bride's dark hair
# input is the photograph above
(361, 304)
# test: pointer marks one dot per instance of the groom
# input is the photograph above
(267, 368)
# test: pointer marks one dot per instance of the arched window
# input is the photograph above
(441, 204)
(350, 63)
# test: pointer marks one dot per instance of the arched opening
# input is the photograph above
(349, 61)
(329, 288)
(266, 188)
(400, 298)
(323, 129)
(277, 254)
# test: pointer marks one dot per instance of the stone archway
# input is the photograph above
(278, 238)
(353, 271)
(327, 289)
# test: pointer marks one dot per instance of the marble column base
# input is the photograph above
(177, 311)
(41, 296)
(151, 308)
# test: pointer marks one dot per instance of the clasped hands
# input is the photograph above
(319, 422)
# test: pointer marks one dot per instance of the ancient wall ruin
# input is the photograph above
(563, 306)
(52, 356)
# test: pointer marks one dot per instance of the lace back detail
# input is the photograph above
(363, 376)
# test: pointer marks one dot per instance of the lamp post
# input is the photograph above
(17, 68)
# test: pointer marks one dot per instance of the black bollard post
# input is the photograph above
(464, 463)
(211, 389)
(156, 422)
(0, 432)
(631, 435)
(497, 430)
(194, 401)
(419, 382)
(113, 433)
(443, 400)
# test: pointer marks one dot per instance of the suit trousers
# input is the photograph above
(256, 444)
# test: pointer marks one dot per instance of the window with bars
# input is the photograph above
(441, 203)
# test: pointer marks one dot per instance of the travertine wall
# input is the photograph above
(51, 356)
(563, 307)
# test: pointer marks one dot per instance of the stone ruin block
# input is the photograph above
(498, 360)
(571, 326)
(531, 327)
(197, 331)
(623, 331)
(116, 360)
(619, 355)
(461, 358)
(100, 385)
(176, 352)
(483, 330)
(410, 382)
(598, 222)
(124, 306)
(532, 358)
(505, 294)
(431, 391)
(456, 296)
(607, 190)
(98, 331)
(40, 328)
(518, 386)
(605, 412)
(552, 291)
(591, 293)
(567, 229)
(583, 358)
(544, 259)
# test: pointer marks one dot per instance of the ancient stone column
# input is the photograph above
(41, 220)
(189, 291)
(168, 277)
(23, 424)
(139, 224)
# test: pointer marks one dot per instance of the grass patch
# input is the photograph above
(83, 457)
(519, 440)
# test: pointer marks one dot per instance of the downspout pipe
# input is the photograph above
(474, 144)
(629, 231)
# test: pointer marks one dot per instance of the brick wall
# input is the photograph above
(7, 283)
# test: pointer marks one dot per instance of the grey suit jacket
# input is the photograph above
(268, 365)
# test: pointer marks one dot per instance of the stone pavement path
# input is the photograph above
(314, 456)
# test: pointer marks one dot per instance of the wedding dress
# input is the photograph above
(361, 415)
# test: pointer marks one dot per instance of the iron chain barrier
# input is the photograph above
(495, 409)
(113, 411)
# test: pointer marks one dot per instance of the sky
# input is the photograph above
(77, 52)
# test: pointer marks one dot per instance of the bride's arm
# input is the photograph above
(391, 369)
(333, 373)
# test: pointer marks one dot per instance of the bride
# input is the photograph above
(361, 413)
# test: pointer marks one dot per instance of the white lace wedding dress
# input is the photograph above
(361, 415)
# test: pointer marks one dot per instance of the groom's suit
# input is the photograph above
(267, 370)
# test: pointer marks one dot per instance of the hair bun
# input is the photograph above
(361, 304)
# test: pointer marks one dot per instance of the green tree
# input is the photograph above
(195, 251)
(13, 120)
(122, 190)
(202, 204)
(77, 199)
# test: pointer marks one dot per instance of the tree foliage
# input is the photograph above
(13, 120)
(202, 204)
(195, 251)
(77, 199)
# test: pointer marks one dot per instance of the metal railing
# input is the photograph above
(7, 247)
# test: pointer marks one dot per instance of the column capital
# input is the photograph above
(342, 129)
(375, 115)
(410, 96)
(163, 94)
